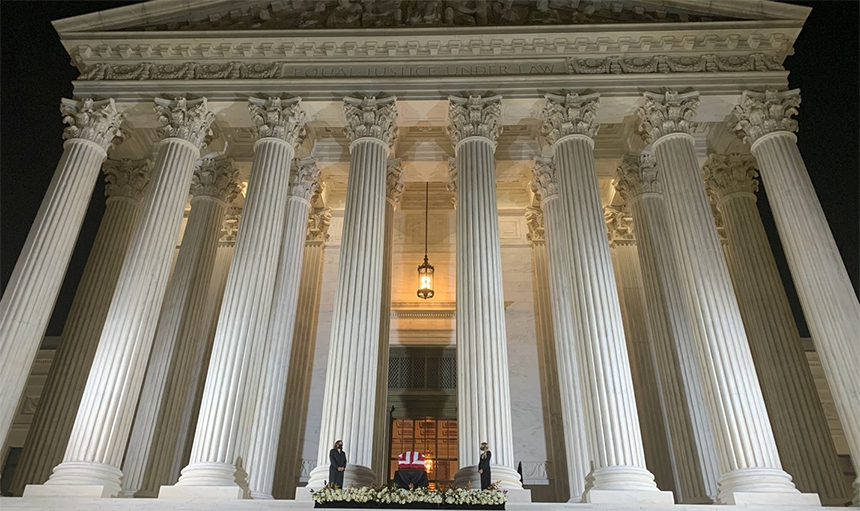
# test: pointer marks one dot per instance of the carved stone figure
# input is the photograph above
(381, 13)
(466, 12)
(424, 12)
(313, 18)
(346, 14)
(543, 14)
(506, 13)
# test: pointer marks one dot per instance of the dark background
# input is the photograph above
(36, 73)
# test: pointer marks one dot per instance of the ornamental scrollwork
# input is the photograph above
(729, 174)
(185, 119)
(217, 178)
(278, 118)
(371, 117)
(545, 184)
(708, 63)
(570, 114)
(96, 121)
(304, 178)
(474, 116)
(760, 113)
(666, 113)
(637, 176)
(126, 178)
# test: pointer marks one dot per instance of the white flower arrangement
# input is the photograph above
(389, 495)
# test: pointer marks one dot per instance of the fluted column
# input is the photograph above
(216, 466)
(796, 415)
(694, 456)
(263, 447)
(214, 186)
(749, 461)
(829, 303)
(288, 464)
(631, 296)
(578, 429)
(393, 191)
(28, 300)
(52, 424)
(349, 402)
(483, 388)
(619, 473)
(102, 426)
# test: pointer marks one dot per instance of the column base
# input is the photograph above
(261, 496)
(741, 498)
(358, 476)
(208, 481)
(624, 485)
(79, 479)
(637, 497)
(508, 479)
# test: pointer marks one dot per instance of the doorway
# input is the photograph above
(435, 438)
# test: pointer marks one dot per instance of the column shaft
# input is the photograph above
(553, 415)
(171, 362)
(829, 302)
(28, 300)
(639, 345)
(270, 399)
(100, 434)
(682, 394)
(233, 374)
(288, 464)
(55, 415)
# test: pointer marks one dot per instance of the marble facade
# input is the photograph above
(606, 335)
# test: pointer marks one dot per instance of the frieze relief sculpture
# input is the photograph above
(317, 14)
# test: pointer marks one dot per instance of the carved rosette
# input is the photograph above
(545, 184)
(230, 228)
(452, 180)
(638, 176)
(727, 175)
(534, 221)
(669, 112)
(318, 223)
(760, 113)
(96, 121)
(619, 225)
(126, 178)
(217, 178)
(570, 114)
(185, 119)
(475, 116)
(305, 178)
(371, 118)
(278, 118)
(394, 184)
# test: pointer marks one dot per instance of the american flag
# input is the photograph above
(411, 460)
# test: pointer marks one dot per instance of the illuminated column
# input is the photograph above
(800, 427)
(349, 401)
(52, 424)
(288, 464)
(694, 454)
(234, 366)
(263, 446)
(483, 389)
(102, 426)
(749, 461)
(829, 303)
(35, 282)
(553, 414)
(393, 191)
(577, 432)
(618, 471)
(213, 186)
(631, 296)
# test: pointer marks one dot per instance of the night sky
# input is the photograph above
(35, 73)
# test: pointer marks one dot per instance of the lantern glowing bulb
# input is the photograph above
(426, 270)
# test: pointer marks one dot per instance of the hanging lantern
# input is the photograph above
(426, 270)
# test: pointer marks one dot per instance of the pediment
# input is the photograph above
(263, 15)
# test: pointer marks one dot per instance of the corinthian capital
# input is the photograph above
(760, 113)
(278, 118)
(217, 178)
(669, 112)
(126, 178)
(181, 118)
(637, 176)
(452, 180)
(570, 114)
(545, 183)
(394, 184)
(96, 121)
(534, 221)
(730, 174)
(230, 227)
(318, 222)
(305, 178)
(475, 116)
(619, 225)
(371, 117)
